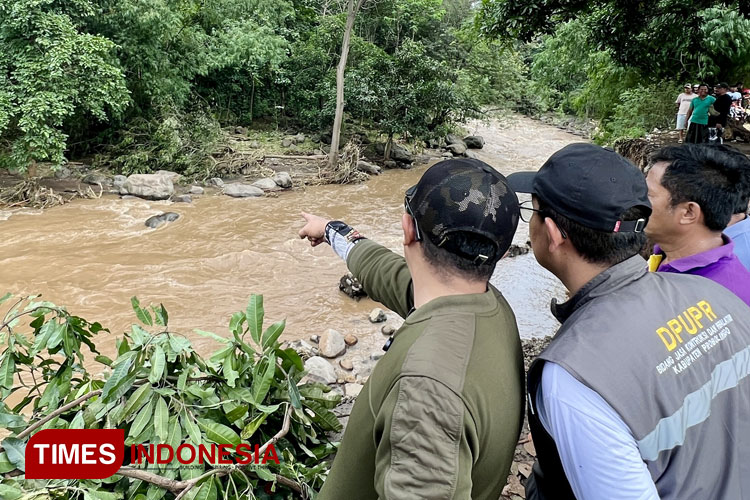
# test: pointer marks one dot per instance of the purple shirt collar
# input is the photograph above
(699, 260)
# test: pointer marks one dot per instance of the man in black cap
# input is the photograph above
(645, 390)
(440, 415)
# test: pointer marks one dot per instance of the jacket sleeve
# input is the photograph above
(423, 439)
(383, 274)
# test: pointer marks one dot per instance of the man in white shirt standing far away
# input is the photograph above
(644, 392)
(683, 104)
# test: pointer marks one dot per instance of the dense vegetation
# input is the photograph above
(153, 80)
(159, 390)
(619, 62)
(140, 85)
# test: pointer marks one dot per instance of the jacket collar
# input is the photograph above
(606, 282)
(477, 303)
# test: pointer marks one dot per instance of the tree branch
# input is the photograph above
(57, 412)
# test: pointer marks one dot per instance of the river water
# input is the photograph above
(93, 255)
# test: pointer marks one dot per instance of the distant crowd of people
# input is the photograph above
(705, 114)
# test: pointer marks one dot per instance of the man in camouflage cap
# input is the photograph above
(440, 415)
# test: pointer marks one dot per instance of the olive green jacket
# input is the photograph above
(440, 415)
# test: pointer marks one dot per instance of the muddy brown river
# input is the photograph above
(93, 255)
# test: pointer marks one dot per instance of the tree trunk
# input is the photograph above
(388, 147)
(252, 98)
(352, 9)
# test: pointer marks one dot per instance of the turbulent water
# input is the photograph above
(93, 255)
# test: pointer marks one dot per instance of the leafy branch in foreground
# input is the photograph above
(159, 390)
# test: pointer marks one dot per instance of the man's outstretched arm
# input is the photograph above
(383, 274)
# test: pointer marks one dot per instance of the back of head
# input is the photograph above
(465, 216)
(598, 198)
(714, 177)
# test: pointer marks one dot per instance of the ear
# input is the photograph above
(691, 213)
(407, 224)
(554, 236)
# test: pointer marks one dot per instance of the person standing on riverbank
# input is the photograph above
(643, 391)
(697, 116)
(722, 106)
(694, 190)
(441, 413)
(683, 104)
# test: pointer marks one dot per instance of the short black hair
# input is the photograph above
(707, 175)
(457, 255)
(600, 247)
(743, 163)
(703, 85)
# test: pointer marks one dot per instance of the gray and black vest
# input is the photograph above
(671, 354)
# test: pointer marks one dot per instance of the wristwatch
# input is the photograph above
(349, 233)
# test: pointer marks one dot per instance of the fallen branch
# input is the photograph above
(297, 157)
(57, 412)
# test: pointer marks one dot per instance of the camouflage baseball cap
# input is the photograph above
(464, 196)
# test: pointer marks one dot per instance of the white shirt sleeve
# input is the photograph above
(598, 452)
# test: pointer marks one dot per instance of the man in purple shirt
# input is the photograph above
(694, 190)
(739, 225)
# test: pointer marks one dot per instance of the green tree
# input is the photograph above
(52, 73)
(160, 391)
(703, 38)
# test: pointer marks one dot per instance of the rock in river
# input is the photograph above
(158, 220)
(474, 142)
(242, 191)
(283, 179)
(377, 315)
(266, 184)
(331, 344)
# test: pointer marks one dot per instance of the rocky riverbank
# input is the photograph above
(335, 359)
(249, 164)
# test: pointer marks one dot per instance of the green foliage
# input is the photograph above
(52, 72)
(173, 140)
(591, 84)
(639, 110)
(159, 390)
(145, 84)
(665, 39)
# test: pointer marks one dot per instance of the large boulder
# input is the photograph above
(456, 148)
(398, 152)
(283, 180)
(453, 139)
(149, 186)
(266, 184)
(474, 142)
(287, 142)
(238, 190)
(173, 176)
(119, 181)
(320, 370)
(368, 168)
(97, 178)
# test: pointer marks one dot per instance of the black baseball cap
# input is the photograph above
(589, 184)
(464, 195)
